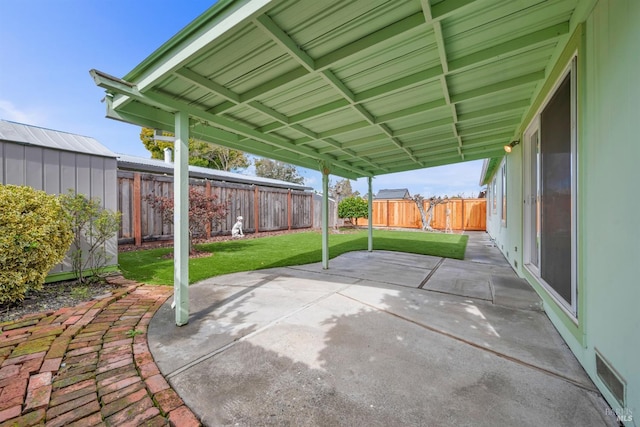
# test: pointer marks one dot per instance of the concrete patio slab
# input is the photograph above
(363, 344)
(406, 269)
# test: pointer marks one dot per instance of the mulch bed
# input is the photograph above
(54, 296)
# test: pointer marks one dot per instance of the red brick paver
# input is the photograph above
(88, 365)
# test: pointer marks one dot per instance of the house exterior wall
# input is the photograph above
(608, 237)
(507, 234)
(55, 172)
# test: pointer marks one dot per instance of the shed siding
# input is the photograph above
(55, 172)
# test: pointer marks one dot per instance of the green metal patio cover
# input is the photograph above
(368, 87)
(356, 88)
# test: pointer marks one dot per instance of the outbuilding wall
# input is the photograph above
(56, 172)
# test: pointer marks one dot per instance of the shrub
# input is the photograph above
(353, 208)
(34, 237)
(92, 226)
(203, 210)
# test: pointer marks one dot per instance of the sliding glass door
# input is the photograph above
(550, 193)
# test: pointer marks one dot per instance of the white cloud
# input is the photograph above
(9, 111)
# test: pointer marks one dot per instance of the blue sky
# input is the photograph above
(48, 47)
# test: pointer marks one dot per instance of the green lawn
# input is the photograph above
(148, 266)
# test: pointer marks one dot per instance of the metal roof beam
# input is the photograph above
(402, 83)
(364, 140)
(370, 40)
(207, 84)
(276, 33)
(268, 86)
(430, 152)
(337, 146)
(269, 112)
(417, 109)
(174, 105)
(402, 26)
(234, 98)
(344, 91)
(503, 108)
(448, 7)
(321, 110)
(282, 120)
(474, 141)
(426, 126)
(353, 100)
(492, 126)
(497, 87)
(444, 63)
(486, 151)
(513, 46)
(139, 114)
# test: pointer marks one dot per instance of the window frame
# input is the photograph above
(503, 194)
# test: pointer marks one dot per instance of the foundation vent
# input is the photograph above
(611, 379)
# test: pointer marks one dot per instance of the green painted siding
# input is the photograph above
(609, 179)
(606, 39)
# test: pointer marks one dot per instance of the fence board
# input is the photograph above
(464, 214)
(269, 208)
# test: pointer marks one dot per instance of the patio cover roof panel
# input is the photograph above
(320, 28)
(342, 83)
(521, 23)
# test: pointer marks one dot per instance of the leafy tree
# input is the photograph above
(34, 237)
(92, 227)
(203, 210)
(339, 191)
(275, 169)
(201, 153)
(353, 207)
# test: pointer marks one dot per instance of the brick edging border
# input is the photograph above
(88, 365)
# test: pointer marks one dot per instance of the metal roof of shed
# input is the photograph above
(363, 87)
(393, 193)
(135, 163)
(33, 135)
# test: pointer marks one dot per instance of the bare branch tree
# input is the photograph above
(428, 215)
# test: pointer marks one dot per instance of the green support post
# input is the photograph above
(181, 219)
(325, 218)
(370, 212)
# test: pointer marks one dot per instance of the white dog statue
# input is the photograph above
(236, 231)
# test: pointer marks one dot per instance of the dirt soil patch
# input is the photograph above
(54, 296)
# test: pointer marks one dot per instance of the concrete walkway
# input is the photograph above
(88, 365)
(379, 339)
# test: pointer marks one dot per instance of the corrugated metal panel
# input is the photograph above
(153, 165)
(32, 135)
(56, 171)
(396, 193)
(338, 77)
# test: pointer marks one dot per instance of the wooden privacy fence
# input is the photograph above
(464, 214)
(262, 208)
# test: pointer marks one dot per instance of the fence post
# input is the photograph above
(256, 208)
(137, 208)
(289, 213)
(387, 212)
(207, 192)
(463, 218)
